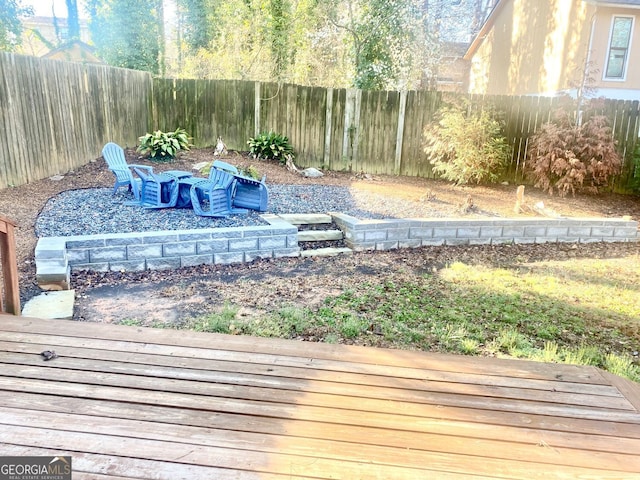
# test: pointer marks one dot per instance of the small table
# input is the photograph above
(184, 191)
(179, 173)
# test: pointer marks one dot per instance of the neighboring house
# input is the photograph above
(550, 47)
(453, 68)
(42, 34)
(74, 51)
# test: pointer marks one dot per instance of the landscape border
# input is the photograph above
(56, 257)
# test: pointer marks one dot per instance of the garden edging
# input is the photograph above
(57, 256)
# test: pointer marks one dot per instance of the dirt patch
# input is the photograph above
(265, 285)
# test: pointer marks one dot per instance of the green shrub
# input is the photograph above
(271, 146)
(467, 148)
(564, 157)
(164, 146)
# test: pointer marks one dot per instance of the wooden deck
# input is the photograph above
(129, 402)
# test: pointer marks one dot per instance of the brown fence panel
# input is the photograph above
(419, 114)
(56, 116)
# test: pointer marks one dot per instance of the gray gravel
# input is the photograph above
(95, 211)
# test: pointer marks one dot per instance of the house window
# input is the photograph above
(619, 48)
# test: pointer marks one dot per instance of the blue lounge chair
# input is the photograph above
(213, 197)
(249, 192)
(158, 190)
(114, 156)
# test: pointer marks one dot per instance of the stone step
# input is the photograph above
(305, 218)
(326, 252)
(51, 305)
(319, 235)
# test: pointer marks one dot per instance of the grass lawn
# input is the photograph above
(583, 311)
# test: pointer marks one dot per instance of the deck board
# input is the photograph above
(131, 402)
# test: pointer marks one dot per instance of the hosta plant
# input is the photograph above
(270, 146)
(565, 158)
(164, 146)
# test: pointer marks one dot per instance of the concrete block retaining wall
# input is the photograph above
(407, 233)
(57, 256)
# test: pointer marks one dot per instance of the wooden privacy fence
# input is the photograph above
(380, 132)
(56, 116)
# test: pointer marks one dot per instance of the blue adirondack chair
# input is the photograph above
(249, 192)
(114, 156)
(213, 197)
(158, 190)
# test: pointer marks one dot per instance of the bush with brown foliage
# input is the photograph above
(564, 157)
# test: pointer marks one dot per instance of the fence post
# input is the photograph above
(9, 266)
(400, 133)
(256, 110)
(327, 131)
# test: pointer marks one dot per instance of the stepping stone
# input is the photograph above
(319, 235)
(51, 305)
(305, 218)
(326, 252)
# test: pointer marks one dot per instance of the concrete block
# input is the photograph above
(388, 245)
(398, 234)
(432, 242)
(456, 241)
(480, 241)
(286, 252)
(160, 238)
(193, 260)
(410, 243)
(226, 233)
(590, 239)
(513, 231)
(251, 256)
(190, 237)
(212, 246)
(524, 240)
(78, 255)
(270, 243)
(85, 242)
(445, 232)
(292, 241)
(502, 240)
(128, 240)
(164, 263)
(243, 244)
(53, 277)
(579, 231)
(178, 249)
(375, 235)
(143, 251)
(128, 266)
(107, 254)
(490, 231)
(628, 232)
(228, 258)
(94, 267)
(51, 305)
(421, 232)
(557, 231)
(535, 231)
(50, 248)
(568, 239)
(468, 232)
(257, 231)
